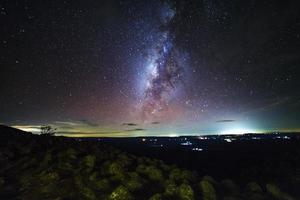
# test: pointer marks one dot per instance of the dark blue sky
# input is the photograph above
(191, 67)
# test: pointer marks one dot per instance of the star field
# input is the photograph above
(191, 67)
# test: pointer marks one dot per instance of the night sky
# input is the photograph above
(143, 68)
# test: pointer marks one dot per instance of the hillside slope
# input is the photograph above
(43, 167)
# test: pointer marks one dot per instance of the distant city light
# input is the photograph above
(188, 143)
(197, 149)
(283, 137)
(173, 135)
(228, 140)
(202, 138)
(236, 131)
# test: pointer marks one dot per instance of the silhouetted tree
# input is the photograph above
(47, 130)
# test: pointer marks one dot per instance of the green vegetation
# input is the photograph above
(57, 168)
(208, 191)
(276, 193)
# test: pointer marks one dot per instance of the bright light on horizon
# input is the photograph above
(33, 129)
(237, 131)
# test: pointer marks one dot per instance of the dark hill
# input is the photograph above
(9, 132)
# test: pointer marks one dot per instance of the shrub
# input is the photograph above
(180, 176)
(103, 185)
(208, 191)
(134, 184)
(230, 187)
(210, 180)
(186, 175)
(141, 169)
(165, 167)
(124, 160)
(255, 196)
(253, 192)
(186, 192)
(230, 198)
(276, 193)
(253, 187)
(89, 161)
(87, 193)
(154, 174)
(65, 160)
(46, 160)
(120, 193)
(1, 183)
(175, 175)
(71, 153)
(48, 177)
(156, 197)
(41, 185)
(93, 177)
(115, 168)
(170, 189)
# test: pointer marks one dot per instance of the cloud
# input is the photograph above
(85, 128)
(123, 133)
(87, 133)
(136, 129)
(66, 123)
(225, 121)
(93, 134)
(155, 123)
(88, 122)
(76, 123)
(129, 124)
(66, 127)
(269, 104)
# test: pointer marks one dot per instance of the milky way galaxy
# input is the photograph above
(166, 73)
